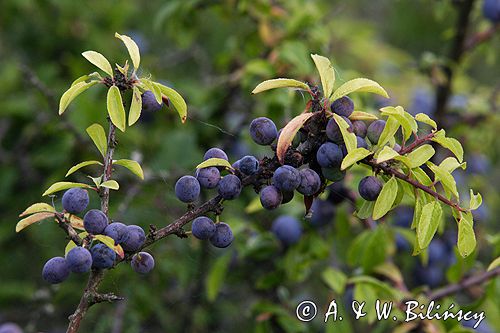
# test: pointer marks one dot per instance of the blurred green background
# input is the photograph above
(214, 53)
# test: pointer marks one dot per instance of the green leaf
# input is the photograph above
(99, 61)
(445, 178)
(132, 48)
(86, 77)
(215, 277)
(214, 162)
(70, 94)
(155, 89)
(494, 264)
(428, 223)
(38, 208)
(75, 221)
(98, 136)
(97, 180)
(475, 200)
(366, 209)
(111, 184)
(176, 99)
(81, 165)
(385, 199)
(368, 249)
(110, 242)
(135, 106)
(280, 83)
(450, 143)
(417, 212)
(350, 140)
(27, 221)
(359, 85)
(421, 176)
(326, 73)
(360, 115)
(423, 118)
(466, 237)
(364, 292)
(69, 247)
(420, 155)
(59, 186)
(390, 129)
(288, 133)
(334, 279)
(450, 164)
(405, 119)
(132, 165)
(354, 156)
(386, 154)
(116, 110)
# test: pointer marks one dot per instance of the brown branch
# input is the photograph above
(393, 172)
(481, 37)
(68, 228)
(108, 167)
(476, 279)
(417, 143)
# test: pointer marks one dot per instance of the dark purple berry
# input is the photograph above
(310, 182)
(333, 174)
(287, 196)
(329, 155)
(135, 238)
(287, 229)
(102, 256)
(75, 200)
(491, 10)
(208, 177)
(215, 153)
(344, 106)
(95, 221)
(56, 270)
(149, 103)
(359, 128)
(249, 165)
(375, 130)
(203, 227)
(229, 187)
(223, 236)
(338, 193)
(187, 189)
(286, 178)
(10, 328)
(117, 231)
(369, 188)
(323, 213)
(270, 197)
(263, 131)
(79, 260)
(142, 262)
(333, 130)
(361, 143)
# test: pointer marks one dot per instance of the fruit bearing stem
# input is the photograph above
(108, 167)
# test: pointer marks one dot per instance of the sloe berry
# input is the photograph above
(287, 229)
(369, 188)
(338, 192)
(203, 227)
(142, 262)
(329, 155)
(333, 130)
(208, 177)
(359, 128)
(249, 165)
(55, 270)
(10, 328)
(136, 238)
(215, 153)
(270, 197)
(223, 236)
(102, 256)
(187, 189)
(361, 143)
(323, 213)
(374, 131)
(79, 260)
(286, 178)
(117, 231)
(263, 131)
(229, 187)
(491, 10)
(95, 221)
(149, 103)
(75, 200)
(287, 196)
(310, 182)
(344, 106)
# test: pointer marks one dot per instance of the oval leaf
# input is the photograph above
(385, 198)
(32, 219)
(37, 208)
(359, 85)
(386, 154)
(110, 242)
(354, 156)
(132, 48)
(349, 138)
(177, 101)
(420, 155)
(494, 264)
(81, 165)
(423, 118)
(405, 119)
(98, 136)
(475, 200)
(280, 83)
(135, 106)
(326, 73)
(70, 94)
(390, 129)
(99, 61)
(466, 237)
(288, 133)
(111, 184)
(116, 110)
(132, 165)
(59, 186)
(75, 221)
(428, 223)
(214, 162)
(360, 115)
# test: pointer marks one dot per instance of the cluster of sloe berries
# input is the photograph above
(319, 159)
(80, 259)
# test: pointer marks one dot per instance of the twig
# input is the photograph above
(479, 278)
(481, 37)
(417, 143)
(66, 226)
(108, 168)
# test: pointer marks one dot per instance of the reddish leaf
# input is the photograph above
(288, 133)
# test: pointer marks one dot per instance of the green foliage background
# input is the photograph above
(214, 53)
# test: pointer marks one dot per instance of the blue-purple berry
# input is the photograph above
(344, 106)
(142, 262)
(208, 177)
(369, 188)
(215, 153)
(102, 256)
(310, 182)
(286, 178)
(287, 229)
(55, 270)
(95, 221)
(263, 131)
(75, 200)
(187, 189)
(203, 227)
(249, 165)
(223, 236)
(229, 187)
(149, 103)
(329, 155)
(135, 238)
(270, 197)
(117, 231)
(79, 260)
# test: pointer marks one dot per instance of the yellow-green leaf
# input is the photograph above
(69, 247)
(111, 184)
(132, 165)
(405, 119)
(350, 140)
(445, 178)
(110, 242)
(75, 221)
(59, 186)
(32, 219)
(86, 77)
(494, 264)
(450, 143)
(98, 136)
(99, 61)
(475, 200)
(354, 156)
(135, 106)
(288, 133)
(335, 279)
(116, 110)
(215, 277)
(132, 48)
(450, 164)
(386, 154)
(326, 73)
(466, 237)
(279, 83)
(385, 198)
(359, 85)
(37, 208)
(214, 162)
(390, 129)
(420, 155)
(70, 94)
(81, 165)
(176, 99)
(360, 115)
(429, 221)
(423, 118)
(154, 88)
